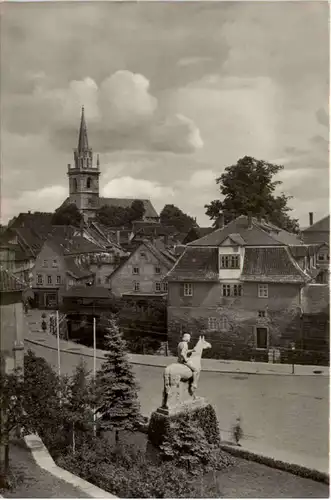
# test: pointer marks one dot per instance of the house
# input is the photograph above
(318, 232)
(66, 261)
(240, 285)
(142, 273)
(11, 320)
(83, 177)
(316, 321)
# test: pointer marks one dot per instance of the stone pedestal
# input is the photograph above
(198, 409)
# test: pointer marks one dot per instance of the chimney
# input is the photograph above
(311, 218)
(220, 221)
(249, 220)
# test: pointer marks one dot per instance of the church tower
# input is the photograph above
(83, 176)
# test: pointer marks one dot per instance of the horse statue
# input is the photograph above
(176, 373)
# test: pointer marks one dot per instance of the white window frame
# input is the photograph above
(157, 270)
(212, 324)
(58, 280)
(136, 286)
(267, 346)
(188, 290)
(262, 314)
(158, 286)
(239, 289)
(165, 286)
(134, 269)
(54, 263)
(49, 280)
(227, 287)
(262, 291)
(229, 261)
(40, 279)
(45, 263)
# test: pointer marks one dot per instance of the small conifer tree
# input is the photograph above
(116, 387)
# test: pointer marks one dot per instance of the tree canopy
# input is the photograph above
(248, 187)
(174, 216)
(68, 215)
(116, 216)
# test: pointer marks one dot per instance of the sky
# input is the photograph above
(173, 94)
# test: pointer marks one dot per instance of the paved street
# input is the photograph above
(282, 415)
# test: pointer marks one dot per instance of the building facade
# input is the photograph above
(242, 287)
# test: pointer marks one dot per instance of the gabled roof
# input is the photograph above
(9, 282)
(74, 270)
(319, 226)
(35, 220)
(272, 265)
(315, 299)
(127, 202)
(259, 233)
(196, 264)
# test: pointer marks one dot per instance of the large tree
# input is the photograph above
(115, 216)
(116, 387)
(68, 215)
(248, 187)
(174, 216)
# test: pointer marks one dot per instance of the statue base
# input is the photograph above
(201, 412)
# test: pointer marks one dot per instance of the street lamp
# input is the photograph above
(293, 350)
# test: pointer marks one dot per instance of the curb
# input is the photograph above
(45, 461)
(207, 370)
(295, 469)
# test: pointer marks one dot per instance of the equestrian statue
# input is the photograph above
(186, 370)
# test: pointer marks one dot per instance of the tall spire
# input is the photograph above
(82, 141)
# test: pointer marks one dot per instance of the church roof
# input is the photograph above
(127, 202)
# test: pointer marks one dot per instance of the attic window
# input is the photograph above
(135, 270)
(230, 262)
(142, 254)
(157, 270)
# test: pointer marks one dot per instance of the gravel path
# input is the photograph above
(34, 482)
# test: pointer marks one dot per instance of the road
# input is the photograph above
(285, 413)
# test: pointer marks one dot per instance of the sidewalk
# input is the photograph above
(35, 335)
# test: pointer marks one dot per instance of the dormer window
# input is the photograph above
(230, 261)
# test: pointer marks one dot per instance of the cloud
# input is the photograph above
(46, 199)
(322, 117)
(202, 178)
(139, 188)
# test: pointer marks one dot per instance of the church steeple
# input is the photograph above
(82, 140)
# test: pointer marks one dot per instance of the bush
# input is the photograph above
(205, 417)
(127, 473)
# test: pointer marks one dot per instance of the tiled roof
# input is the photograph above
(160, 254)
(96, 292)
(127, 202)
(9, 282)
(196, 233)
(196, 264)
(321, 225)
(303, 250)
(35, 220)
(315, 299)
(260, 234)
(271, 265)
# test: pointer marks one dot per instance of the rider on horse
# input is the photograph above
(183, 351)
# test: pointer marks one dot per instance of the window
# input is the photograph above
(262, 314)
(165, 286)
(135, 270)
(136, 286)
(157, 270)
(262, 338)
(262, 291)
(75, 185)
(212, 324)
(230, 262)
(45, 263)
(39, 279)
(71, 282)
(142, 254)
(49, 280)
(54, 263)
(232, 290)
(223, 323)
(58, 280)
(188, 289)
(320, 256)
(88, 183)
(158, 286)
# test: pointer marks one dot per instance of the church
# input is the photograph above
(83, 177)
